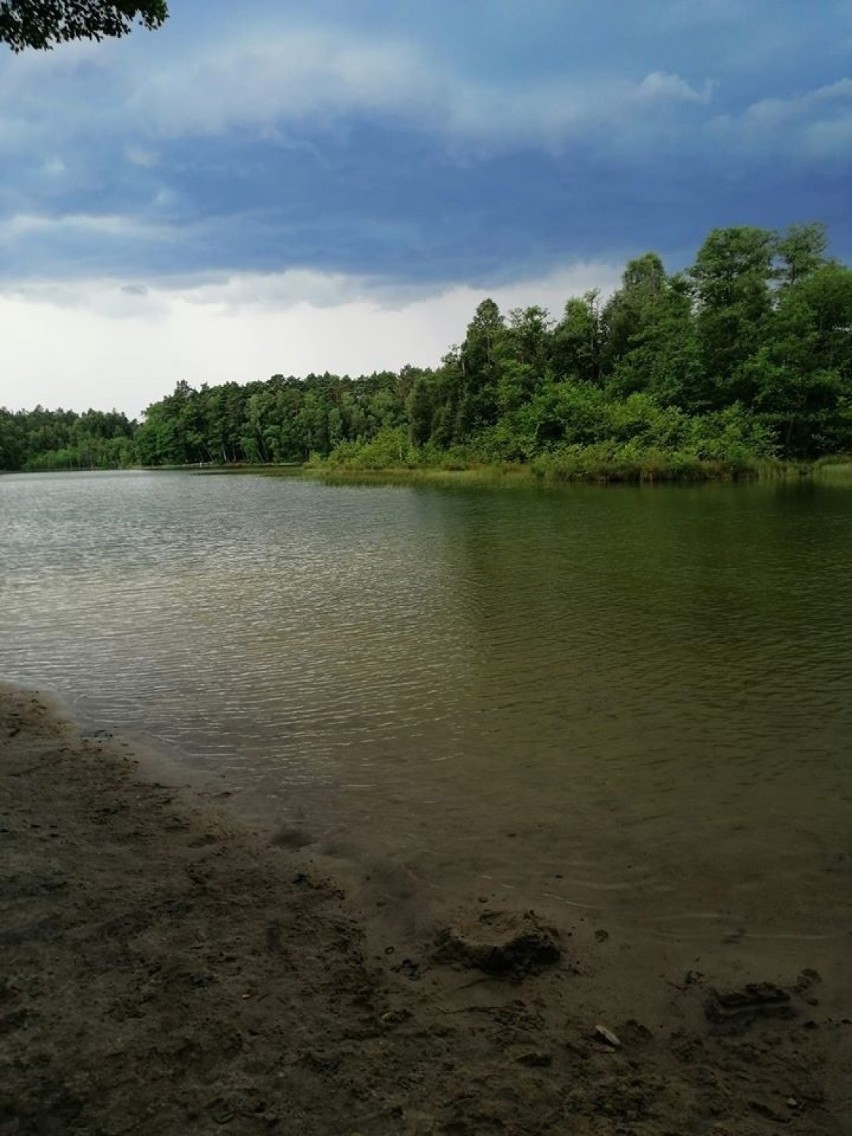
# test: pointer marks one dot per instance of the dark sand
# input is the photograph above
(165, 971)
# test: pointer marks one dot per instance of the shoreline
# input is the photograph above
(167, 970)
(508, 475)
(544, 471)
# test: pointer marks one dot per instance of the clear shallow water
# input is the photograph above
(625, 700)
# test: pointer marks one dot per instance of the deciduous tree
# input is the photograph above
(41, 24)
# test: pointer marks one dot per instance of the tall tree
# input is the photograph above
(731, 286)
(629, 312)
(478, 359)
(524, 356)
(577, 340)
(802, 376)
(799, 251)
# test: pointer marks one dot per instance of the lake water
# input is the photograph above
(626, 701)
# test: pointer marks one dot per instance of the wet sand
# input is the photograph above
(168, 970)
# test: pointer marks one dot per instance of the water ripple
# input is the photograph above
(640, 696)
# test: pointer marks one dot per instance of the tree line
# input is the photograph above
(39, 439)
(742, 357)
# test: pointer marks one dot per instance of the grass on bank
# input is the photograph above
(393, 458)
(578, 465)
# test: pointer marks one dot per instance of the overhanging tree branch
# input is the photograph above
(41, 24)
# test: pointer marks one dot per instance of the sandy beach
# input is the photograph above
(168, 970)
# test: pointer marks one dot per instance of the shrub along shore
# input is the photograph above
(738, 366)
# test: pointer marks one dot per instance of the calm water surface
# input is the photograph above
(632, 700)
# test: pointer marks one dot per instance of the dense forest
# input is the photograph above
(745, 357)
(62, 439)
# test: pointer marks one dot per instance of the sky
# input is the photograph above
(285, 187)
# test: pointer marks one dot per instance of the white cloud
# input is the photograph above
(817, 122)
(139, 156)
(285, 82)
(666, 86)
(22, 225)
(105, 344)
(322, 76)
(54, 167)
(286, 79)
(297, 76)
(832, 137)
(776, 112)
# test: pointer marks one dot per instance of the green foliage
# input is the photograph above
(577, 346)
(41, 24)
(390, 449)
(60, 439)
(800, 251)
(731, 287)
(743, 359)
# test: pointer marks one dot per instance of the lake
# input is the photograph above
(627, 702)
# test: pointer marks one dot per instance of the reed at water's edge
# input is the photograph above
(588, 465)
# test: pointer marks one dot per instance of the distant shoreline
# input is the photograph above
(542, 472)
(539, 472)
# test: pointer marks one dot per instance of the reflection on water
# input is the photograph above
(631, 698)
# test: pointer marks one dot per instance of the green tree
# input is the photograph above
(801, 377)
(12, 440)
(42, 439)
(799, 251)
(421, 406)
(41, 24)
(662, 355)
(445, 396)
(731, 287)
(577, 341)
(636, 305)
(746, 356)
(479, 365)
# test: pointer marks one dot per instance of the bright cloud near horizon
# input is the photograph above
(286, 187)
